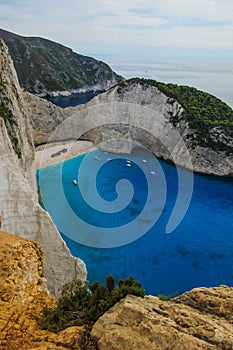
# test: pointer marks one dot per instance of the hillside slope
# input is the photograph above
(45, 66)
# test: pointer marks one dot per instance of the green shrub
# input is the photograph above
(167, 297)
(198, 105)
(82, 303)
(7, 115)
(202, 111)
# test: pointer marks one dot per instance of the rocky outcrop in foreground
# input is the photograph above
(23, 296)
(199, 319)
(20, 212)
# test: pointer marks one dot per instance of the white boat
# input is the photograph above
(128, 164)
(75, 182)
(144, 161)
(152, 172)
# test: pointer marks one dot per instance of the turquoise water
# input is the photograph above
(199, 252)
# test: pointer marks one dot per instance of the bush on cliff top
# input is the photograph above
(82, 303)
(198, 105)
(202, 111)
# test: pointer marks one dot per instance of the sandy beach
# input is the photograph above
(57, 152)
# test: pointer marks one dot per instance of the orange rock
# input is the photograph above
(23, 296)
(199, 319)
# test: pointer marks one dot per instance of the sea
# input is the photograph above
(109, 219)
(210, 75)
(198, 251)
(73, 100)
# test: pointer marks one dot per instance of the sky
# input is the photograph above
(198, 28)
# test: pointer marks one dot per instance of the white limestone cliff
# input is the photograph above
(152, 127)
(122, 119)
(20, 211)
(44, 117)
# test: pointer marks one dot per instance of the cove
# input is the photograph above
(74, 99)
(199, 252)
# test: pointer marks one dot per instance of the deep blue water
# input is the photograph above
(74, 99)
(199, 252)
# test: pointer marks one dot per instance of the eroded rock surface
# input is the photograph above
(199, 319)
(23, 296)
(44, 117)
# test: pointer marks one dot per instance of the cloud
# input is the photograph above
(103, 24)
(207, 10)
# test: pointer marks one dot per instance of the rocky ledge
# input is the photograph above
(23, 296)
(199, 319)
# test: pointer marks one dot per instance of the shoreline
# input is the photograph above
(47, 155)
(58, 152)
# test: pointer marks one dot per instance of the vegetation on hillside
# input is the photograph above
(197, 104)
(82, 303)
(7, 116)
(202, 110)
(42, 64)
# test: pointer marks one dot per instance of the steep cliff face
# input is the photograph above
(24, 296)
(150, 115)
(44, 117)
(44, 66)
(19, 209)
(13, 114)
(200, 319)
(139, 113)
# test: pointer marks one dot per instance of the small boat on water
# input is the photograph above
(152, 172)
(96, 158)
(128, 164)
(75, 182)
(144, 161)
